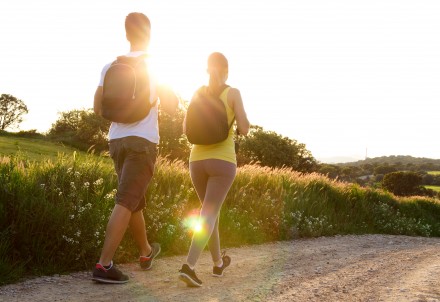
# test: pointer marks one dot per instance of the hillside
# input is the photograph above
(395, 160)
(32, 148)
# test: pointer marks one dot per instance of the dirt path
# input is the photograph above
(341, 268)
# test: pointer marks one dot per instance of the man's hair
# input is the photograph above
(137, 27)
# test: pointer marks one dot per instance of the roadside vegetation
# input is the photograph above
(55, 200)
(53, 213)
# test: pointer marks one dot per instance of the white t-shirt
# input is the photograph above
(147, 128)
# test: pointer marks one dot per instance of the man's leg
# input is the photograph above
(116, 227)
(137, 226)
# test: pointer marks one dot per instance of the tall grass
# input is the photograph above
(53, 214)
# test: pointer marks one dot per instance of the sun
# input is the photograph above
(183, 75)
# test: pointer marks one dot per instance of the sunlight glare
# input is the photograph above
(193, 222)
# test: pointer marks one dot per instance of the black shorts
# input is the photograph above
(134, 158)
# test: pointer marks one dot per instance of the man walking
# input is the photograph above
(132, 147)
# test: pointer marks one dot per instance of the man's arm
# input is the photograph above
(97, 100)
(168, 99)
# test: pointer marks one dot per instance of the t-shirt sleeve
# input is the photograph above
(103, 72)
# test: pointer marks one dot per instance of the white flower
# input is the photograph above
(86, 185)
(98, 182)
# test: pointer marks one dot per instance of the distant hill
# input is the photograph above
(399, 160)
(338, 159)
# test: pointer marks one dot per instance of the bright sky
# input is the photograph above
(343, 77)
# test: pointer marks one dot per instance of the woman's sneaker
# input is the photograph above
(218, 271)
(110, 275)
(147, 262)
(188, 276)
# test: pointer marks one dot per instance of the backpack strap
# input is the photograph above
(134, 62)
(205, 89)
(223, 88)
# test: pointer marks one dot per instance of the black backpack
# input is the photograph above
(126, 90)
(206, 118)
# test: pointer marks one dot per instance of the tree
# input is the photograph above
(384, 169)
(402, 183)
(82, 129)
(11, 111)
(271, 149)
(173, 143)
(331, 171)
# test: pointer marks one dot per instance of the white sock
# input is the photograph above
(219, 263)
(109, 266)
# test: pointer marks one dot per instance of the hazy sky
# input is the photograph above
(341, 77)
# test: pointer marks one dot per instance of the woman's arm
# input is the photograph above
(243, 124)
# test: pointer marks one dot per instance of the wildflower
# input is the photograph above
(78, 233)
(86, 185)
(42, 186)
(98, 182)
(68, 240)
(72, 217)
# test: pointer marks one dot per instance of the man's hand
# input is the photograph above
(97, 103)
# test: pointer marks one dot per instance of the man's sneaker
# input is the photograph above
(188, 276)
(147, 262)
(218, 271)
(111, 275)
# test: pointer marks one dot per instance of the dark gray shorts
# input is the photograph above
(134, 158)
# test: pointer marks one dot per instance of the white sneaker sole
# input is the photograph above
(188, 280)
(218, 276)
(109, 281)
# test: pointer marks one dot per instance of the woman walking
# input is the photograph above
(212, 169)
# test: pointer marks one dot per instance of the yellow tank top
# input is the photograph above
(224, 150)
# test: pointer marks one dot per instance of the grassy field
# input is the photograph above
(66, 200)
(434, 172)
(435, 188)
(32, 149)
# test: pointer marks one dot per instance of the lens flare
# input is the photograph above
(193, 222)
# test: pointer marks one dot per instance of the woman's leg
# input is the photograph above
(214, 243)
(220, 178)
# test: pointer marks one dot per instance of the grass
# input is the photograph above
(435, 188)
(66, 201)
(434, 172)
(32, 148)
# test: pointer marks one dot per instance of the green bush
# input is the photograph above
(402, 183)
